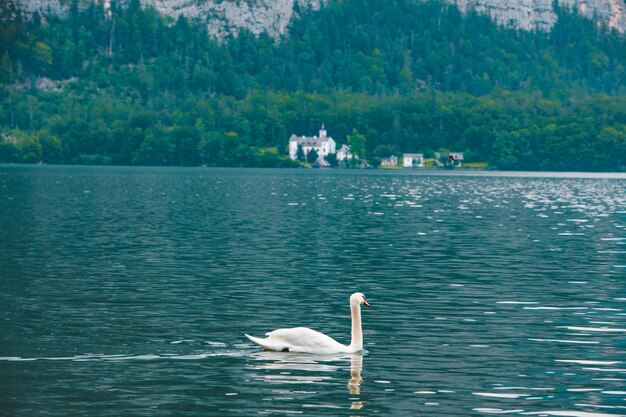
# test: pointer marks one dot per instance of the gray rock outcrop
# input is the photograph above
(541, 14)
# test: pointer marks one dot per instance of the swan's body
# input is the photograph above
(303, 339)
(300, 339)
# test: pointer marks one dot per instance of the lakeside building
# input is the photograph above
(413, 160)
(391, 161)
(322, 144)
(454, 158)
(344, 154)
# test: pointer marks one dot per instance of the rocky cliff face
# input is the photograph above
(540, 14)
(222, 16)
(273, 16)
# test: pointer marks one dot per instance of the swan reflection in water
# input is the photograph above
(295, 368)
(354, 383)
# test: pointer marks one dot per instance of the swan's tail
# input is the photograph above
(256, 340)
(270, 343)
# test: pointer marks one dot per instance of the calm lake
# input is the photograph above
(127, 292)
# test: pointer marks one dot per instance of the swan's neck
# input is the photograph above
(356, 344)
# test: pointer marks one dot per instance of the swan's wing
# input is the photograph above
(303, 339)
(299, 339)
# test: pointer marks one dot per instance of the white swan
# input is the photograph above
(305, 340)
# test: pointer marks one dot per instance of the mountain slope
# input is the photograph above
(138, 88)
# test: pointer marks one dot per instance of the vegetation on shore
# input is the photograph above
(137, 88)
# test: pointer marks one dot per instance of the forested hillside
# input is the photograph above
(136, 88)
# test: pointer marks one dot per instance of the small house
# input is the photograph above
(391, 161)
(344, 154)
(413, 160)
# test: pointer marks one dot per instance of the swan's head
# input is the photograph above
(359, 298)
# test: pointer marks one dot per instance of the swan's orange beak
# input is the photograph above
(366, 303)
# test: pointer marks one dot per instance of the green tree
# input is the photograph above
(503, 152)
(331, 158)
(300, 154)
(312, 156)
(155, 150)
(8, 152)
(356, 141)
(29, 150)
(51, 149)
(385, 151)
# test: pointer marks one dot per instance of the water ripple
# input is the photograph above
(491, 293)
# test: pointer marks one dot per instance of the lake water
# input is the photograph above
(127, 291)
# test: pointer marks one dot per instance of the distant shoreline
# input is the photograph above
(462, 170)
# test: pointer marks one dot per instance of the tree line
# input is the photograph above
(135, 88)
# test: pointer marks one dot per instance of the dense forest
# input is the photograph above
(133, 87)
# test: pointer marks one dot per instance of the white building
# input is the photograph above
(322, 144)
(392, 161)
(454, 158)
(344, 154)
(413, 160)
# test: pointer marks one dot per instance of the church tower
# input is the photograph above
(323, 131)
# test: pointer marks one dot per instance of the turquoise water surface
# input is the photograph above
(127, 291)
